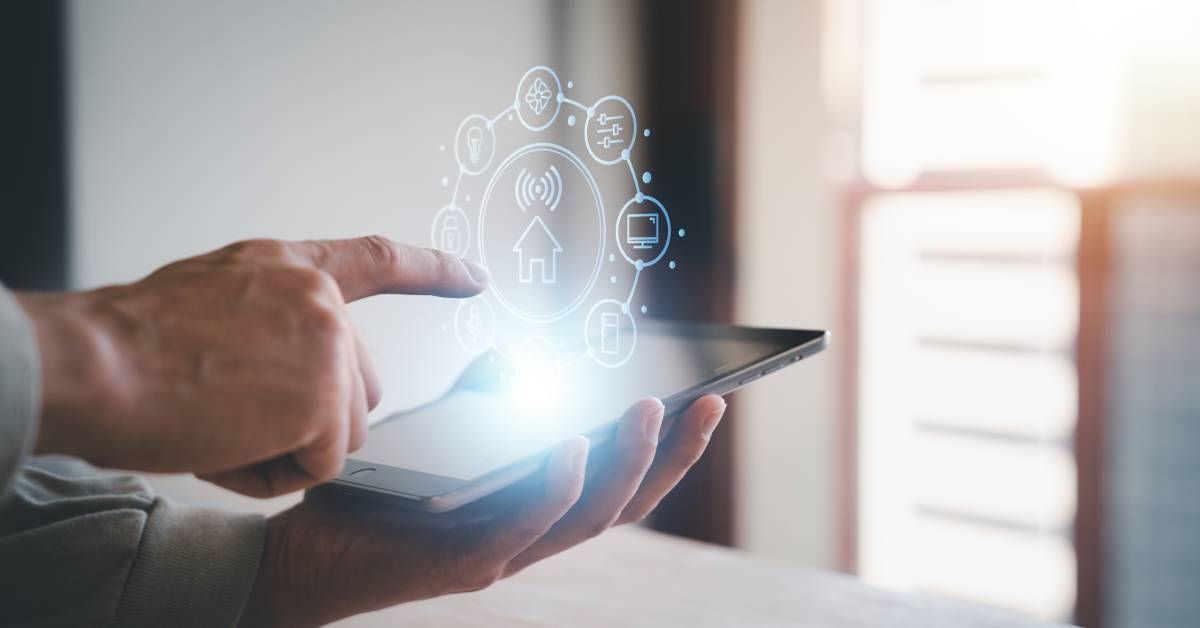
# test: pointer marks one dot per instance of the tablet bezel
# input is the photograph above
(434, 493)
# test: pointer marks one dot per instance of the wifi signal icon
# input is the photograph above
(545, 189)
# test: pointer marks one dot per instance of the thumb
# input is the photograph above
(377, 265)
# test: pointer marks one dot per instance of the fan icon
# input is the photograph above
(538, 96)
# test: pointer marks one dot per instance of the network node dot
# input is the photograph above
(570, 84)
(624, 308)
(559, 97)
(591, 111)
(571, 120)
(646, 133)
(612, 279)
(646, 177)
(644, 309)
(639, 197)
(625, 154)
(639, 264)
(671, 264)
(682, 232)
(612, 258)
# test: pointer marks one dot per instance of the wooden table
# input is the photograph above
(634, 577)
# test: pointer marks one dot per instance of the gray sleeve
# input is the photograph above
(20, 390)
(82, 547)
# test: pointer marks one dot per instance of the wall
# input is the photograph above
(786, 277)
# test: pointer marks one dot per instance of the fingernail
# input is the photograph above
(579, 457)
(710, 423)
(652, 426)
(477, 271)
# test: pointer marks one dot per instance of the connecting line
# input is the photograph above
(574, 361)
(637, 187)
(457, 182)
(507, 110)
(574, 102)
(633, 289)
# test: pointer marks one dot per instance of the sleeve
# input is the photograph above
(83, 547)
(20, 390)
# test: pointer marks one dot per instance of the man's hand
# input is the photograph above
(331, 557)
(240, 365)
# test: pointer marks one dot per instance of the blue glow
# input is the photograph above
(646, 177)
(644, 309)
(671, 264)
(538, 383)
(682, 232)
(646, 133)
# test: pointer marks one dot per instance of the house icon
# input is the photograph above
(537, 247)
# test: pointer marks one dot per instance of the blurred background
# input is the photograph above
(994, 206)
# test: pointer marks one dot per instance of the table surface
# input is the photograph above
(634, 577)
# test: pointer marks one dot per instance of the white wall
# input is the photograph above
(787, 273)
(195, 124)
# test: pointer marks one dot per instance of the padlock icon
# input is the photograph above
(450, 234)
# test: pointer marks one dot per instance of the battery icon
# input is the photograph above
(610, 333)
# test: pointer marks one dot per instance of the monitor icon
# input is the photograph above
(641, 230)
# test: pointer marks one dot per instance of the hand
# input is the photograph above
(332, 557)
(240, 365)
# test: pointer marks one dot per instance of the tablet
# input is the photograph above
(500, 422)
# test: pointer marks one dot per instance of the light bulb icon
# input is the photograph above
(474, 139)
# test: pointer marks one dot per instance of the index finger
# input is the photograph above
(377, 265)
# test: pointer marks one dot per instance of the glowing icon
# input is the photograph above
(610, 130)
(474, 323)
(610, 333)
(641, 230)
(451, 231)
(474, 139)
(538, 96)
(537, 247)
(546, 189)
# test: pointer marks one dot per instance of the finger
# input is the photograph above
(511, 534)
(269, 478)
(322, 458)
(632, 453)
(366, 369)
(376, 265)
(356, 430)
(360, 400)
(684, 445)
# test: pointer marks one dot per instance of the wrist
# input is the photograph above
(78, 373)
(270, 602)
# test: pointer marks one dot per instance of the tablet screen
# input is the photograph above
(470, 433)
